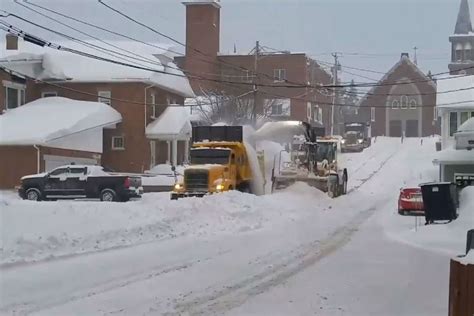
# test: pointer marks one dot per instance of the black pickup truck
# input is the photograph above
(76, 182)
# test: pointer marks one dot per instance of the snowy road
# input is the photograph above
(306, 247)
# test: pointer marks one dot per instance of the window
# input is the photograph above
(77, 172)
(464, 117)
(279, 75)
(453, 123)
(118, 143)
(49, 94)
(153, 106)
(104, 97)
(58, 172)
(372, 114)
(14, 95)
(413, 104)
(395, 104)
(277, 109)
(247, 76)
(404, 102)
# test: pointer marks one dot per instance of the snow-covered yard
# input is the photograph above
(295, 252)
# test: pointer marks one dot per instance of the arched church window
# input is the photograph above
(468, 51)
(458, 52)
(395, 104)
(404, 102)
(413, 104)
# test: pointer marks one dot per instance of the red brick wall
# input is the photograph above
(15, 162)
(379, 100)
(18, 161)
(202, 39)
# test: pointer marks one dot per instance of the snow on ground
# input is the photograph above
(295, 252)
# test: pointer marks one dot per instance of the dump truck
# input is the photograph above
(218, 163)
(309, 157)
(356, 137)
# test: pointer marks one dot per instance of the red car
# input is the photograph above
(410, 202)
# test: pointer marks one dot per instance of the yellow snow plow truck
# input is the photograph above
(219, 163)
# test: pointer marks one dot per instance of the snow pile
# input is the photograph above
(53, 118)
(462, 93)
(468, 259)
(159, 180)
(34, 231)
(165, 169)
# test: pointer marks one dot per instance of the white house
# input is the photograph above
(455, 105)
(458, 159)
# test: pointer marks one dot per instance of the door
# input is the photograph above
(395, 128)
(412, 128)
(76, 182)
(56, 183)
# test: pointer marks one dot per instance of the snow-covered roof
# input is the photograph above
(463, 95)
(47, 63)
(173, 124)
(453, 156)
(49, 119)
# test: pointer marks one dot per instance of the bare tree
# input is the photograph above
(238, 110)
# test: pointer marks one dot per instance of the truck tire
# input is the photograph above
(33, 194)
(244, 187)
(108, 195)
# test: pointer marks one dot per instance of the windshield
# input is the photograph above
(210, 156)
(325, 151)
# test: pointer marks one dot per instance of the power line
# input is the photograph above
(143, 103)
(40, 42)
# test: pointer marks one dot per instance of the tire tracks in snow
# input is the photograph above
(365, 180)
(231, 296)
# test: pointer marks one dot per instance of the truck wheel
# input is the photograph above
(33, 194)
(108, 195)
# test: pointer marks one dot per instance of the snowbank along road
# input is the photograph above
(193, 256)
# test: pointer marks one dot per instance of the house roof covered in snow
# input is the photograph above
(462, 95)
(50, 64)
(173, 124)
(49, 119)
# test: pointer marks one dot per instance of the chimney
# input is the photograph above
(202, 38)
(11, 42)
(405, 55)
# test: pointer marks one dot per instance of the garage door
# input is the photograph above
(52, 162)
(412, 128)
(395, 128)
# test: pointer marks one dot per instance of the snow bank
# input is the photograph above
(33, 231)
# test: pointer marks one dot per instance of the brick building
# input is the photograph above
(462, 43)
(139, 96)
(203, 60)
(402, 103)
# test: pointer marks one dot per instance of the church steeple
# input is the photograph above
(463, 24)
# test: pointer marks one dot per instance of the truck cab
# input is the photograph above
(219, 163)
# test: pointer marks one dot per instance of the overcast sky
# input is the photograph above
(377, 30)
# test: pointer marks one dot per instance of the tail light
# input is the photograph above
(126, 183)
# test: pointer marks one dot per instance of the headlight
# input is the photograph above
(219, 187)
(360, 141)
(343, 141)
(178, 186)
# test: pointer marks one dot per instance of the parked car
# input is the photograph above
(77, 181)
(410, 202)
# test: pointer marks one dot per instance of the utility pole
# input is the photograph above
(334, 95)
(255, 83)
